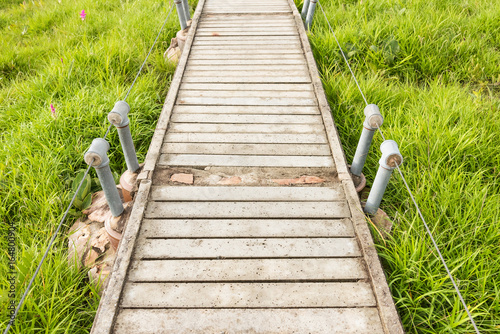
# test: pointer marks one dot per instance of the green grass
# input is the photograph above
(433, 67)
(50, 56)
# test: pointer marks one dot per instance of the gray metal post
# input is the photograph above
(310, 13)
(118, 117)
(98, 158)
(373, 121)
(391, 158)
(180, 13)
(185, 5)
(305, 8)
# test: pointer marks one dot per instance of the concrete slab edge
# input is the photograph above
(163, 121)
(389, 316)
(107, 311)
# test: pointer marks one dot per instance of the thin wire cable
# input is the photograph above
(343, 54)
(63, 219)
(21, 301)
(151, 49)
(443, 261)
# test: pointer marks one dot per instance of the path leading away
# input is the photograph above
(270, 237)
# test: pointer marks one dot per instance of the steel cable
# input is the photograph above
(443, 261)
(63, 219)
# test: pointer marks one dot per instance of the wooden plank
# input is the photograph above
(245, 119)
(249, 88)
(247, 110)
(322, 210)
(243, 295)
(248, 93)
(250, 228)
(246, 62)
(258, 79)
(255, 321)
(245, 138)
(223, 52)
(247, 270)
(257, 194)
(249, 39)
(242, 101)
(267, 25)
(244, 160)
(247, 33)
(248, 57)
(225, 68)
(247, 128)
(251, 44)
(246, 149)
(257, 28)
(246, 248)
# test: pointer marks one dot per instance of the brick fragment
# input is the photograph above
(305, 179)
(182, 178)
(230, 180)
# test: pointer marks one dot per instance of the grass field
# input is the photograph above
(50, 56)
(432, 66)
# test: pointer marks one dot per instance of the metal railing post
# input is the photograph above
(185, 5)
(305, 8)
(372, 122)
(180, 13)
(97, 157)
(310, 13)
(118, 117)
(391, 158)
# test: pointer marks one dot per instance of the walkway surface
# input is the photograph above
(270, 237)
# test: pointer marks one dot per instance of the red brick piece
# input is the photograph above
(182, 178)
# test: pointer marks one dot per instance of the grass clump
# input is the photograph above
(433, 68)
(51, 57)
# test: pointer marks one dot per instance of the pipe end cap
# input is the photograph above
(96, 155)
(374, 118)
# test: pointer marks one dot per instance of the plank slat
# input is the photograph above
(249, 88)
(307, 94)
(222, 52)
(246, 248)
(246, 128)
(247, 270)
(255, 321)
(322, 210)
(248, 57)
(250, 228)
(250, 101)
(246, 61)
(243, 295)
(245, 138)
(245, 119)
(227, 193)
(258, 79)
(244, 160)
(246, 149)
(249, 33)
(256, 68)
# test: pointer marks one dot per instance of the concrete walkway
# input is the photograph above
(246, 219)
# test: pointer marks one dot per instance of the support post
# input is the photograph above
(180, 13)
(305, 8)
(310, 13)
(391, 158)
(373, 120)
(185, 5)
(118, 117)
(97, 157)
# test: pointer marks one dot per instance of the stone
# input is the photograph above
(182, 178)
